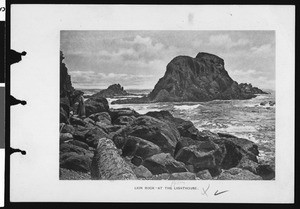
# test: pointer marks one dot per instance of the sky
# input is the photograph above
(137, 59)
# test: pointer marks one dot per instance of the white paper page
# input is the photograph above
(35, 127)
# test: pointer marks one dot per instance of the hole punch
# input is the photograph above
(12, 150)
(13, 101)
(15, 56)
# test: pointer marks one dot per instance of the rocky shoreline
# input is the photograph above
(122, 144)
(119, 144)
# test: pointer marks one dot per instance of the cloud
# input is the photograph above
(264, 49)
(102, 80)
(224, 40)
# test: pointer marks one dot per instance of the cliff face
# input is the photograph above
(203, 78)
(111, 91)
(66, 87)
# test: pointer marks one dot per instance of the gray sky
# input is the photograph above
(137, 59)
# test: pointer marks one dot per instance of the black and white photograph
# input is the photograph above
(153, 103)
(167, 105)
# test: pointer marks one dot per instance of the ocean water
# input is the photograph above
(242, 118)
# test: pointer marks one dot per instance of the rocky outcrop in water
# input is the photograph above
(111, 91)
(198, 79)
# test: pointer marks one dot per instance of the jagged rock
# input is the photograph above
(183, 176)
(142, 172)
(80, 132)
(248, 89)
(124, 120)
(153, 130)
(101, 118)
(66, 128)
(65, 137)
(111, 91)
(163, 163)
(69, 147)
(271, 103)
(88, 120)
(108, 164)
(76, 162)
(135, 146)
(63, 116)
(110, 129)
(136, 160)
(79, 144)
(96, 105)
(77, 121)
(198, 79)
(237, 174)
(266, 172)
(163, 176)
(66, 174)
(204, 175)
(93, 135)
(201, 154)
(116, 113)
(185, 128)
(247, 164)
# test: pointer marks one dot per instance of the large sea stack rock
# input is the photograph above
(203, 78)
(111, 91)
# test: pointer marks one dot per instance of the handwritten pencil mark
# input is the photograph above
(217, 192)
(205, 190)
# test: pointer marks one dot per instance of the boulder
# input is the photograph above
(93, 135)
(135, 146)
(96, 105)
(204, 175)
(88, 120)
(111, 128)
(65, 137)
(116, 113)
(79, 144)
(69, 147)
(163, 163)
(66, 128)
(201, 154)
(237, 174)
(265, 171)
(182, 176)
(77, 121)
(108, 164)
(163, 176)
(101, 118)
(124, 120)
(236, 150)
(185, 128)
(247, 164)
(153, 130)
(66, 174)
(63, 116)
(75, 161)
(142, 172)
(80, 132)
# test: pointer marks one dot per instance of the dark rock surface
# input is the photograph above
(201, 154)
(237, 174)
(111, 91)
(153, 130)
(108, 164)
(248, 89)
(164, 163)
